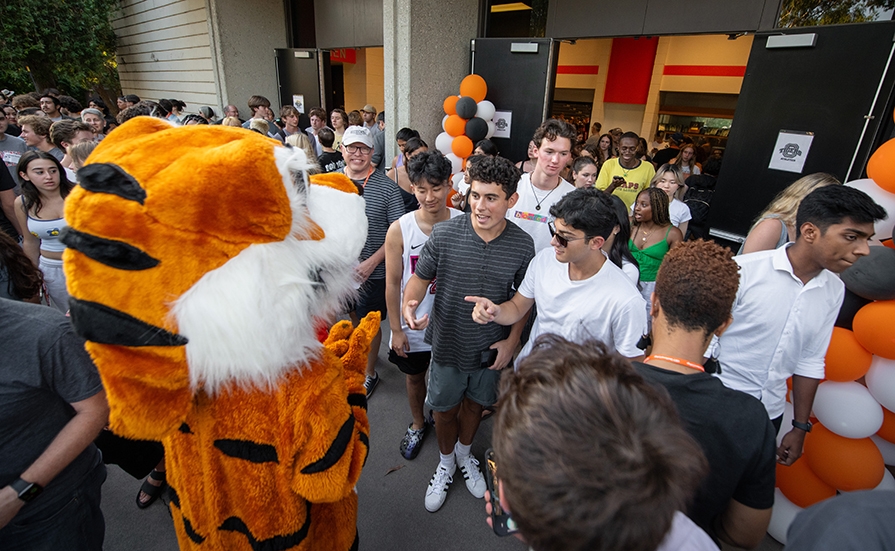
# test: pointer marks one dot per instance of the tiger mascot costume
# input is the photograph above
(201, 261)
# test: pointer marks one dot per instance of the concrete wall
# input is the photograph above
(243, 38)
(164, 51)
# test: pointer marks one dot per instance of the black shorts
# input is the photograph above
(371, 298)
(414, 364)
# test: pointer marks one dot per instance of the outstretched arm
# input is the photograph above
(506, 313)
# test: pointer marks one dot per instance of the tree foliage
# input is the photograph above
(47, 42)
(806, 13)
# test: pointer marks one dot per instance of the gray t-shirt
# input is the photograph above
(12, 148)
(465, 265)
(382, 205)
(43, 368)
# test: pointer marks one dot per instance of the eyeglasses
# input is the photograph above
(358, 149)
(563, 241)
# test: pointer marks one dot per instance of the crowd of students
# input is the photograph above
(636, 371)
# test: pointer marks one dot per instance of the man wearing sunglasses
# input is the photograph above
(579, 294)
(383, 206)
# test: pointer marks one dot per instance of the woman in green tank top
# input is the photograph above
(652, 235)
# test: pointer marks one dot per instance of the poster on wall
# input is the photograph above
(791, 151)
(298, 100)
(503, 122)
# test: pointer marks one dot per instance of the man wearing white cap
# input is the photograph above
(383, 206)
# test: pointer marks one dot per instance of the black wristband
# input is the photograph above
(803, 426)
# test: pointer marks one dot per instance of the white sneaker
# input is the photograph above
(437, 491)
(475, 482)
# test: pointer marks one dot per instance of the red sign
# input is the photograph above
(343, 55)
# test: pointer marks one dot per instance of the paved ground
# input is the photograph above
(391, 513)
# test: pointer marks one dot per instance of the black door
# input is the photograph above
(303, 76)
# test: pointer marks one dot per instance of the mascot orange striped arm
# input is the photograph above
(200, 260)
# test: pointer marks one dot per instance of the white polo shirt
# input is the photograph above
(780, 327)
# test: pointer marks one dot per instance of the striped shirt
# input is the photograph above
(466, 265)
(383, 205)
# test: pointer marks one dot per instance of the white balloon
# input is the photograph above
(443, 142)
(886, 448)
(888, 483)
(786, 422)
(485, 110)
(886, 200)
(491, 129)
(847, 409)
(456, 163)
(443, 121)
(881, 380)
(782, 514)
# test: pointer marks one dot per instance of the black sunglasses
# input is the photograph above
(563, 241)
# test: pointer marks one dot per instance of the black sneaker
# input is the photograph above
(412, 442)
(370, 383)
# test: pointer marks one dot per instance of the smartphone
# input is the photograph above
(489, 357)
(501, 520)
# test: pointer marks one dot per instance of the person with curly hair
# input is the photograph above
(695, 290)
(40, 210)
(590, 457)
(652, 236)
(19, 278)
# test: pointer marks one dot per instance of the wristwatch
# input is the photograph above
(804, 426)
(26, 490)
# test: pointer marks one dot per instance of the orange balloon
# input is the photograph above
(887, 431)
(461, 146)
(873, 328)
(881, 167)
(801, 486)
(846, 359)
(846, 464)
(474, 86)
(455, 126)
(450, 105)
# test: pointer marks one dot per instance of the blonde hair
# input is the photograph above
(678, 175)
(79, 153)
(260, 125)
(301, 141)
(231, 121)
(678, 161)
(786, 204)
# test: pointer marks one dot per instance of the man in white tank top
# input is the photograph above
(430, 181)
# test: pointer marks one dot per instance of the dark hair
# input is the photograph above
(696, 285)
(29, 111)
(830, 205)
(166, 105)
(406, 133)
(132, 98)
(586, 209)
(178, 104)
(613, 150)
(412, 145)
(356, 116)
(129, 113)
(621, 490)
(30, 195)
(429, 166)
(317, 112)
(99, 103)
(258, 101)
(25, 279)
(342, 115)
(711, 166)
(287, 110)
(658, 201)
(326, 137)
(496, 170)
(380, 117)
(580, 163)
(70, 104)
(620, 250)
(198, 119)
(65, 130)
(158, 110)
(487, 147)
(629, 136)
(54, 98)
(553, 129)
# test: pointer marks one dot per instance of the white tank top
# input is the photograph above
(48, 231)
(414, 239)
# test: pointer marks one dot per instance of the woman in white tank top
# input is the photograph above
(39, 212)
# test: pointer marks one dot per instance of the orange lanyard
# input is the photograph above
(677, 361)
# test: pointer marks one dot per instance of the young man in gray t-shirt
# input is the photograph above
(478, 254)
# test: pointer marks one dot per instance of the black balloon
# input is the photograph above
(851, 303)
(466, 107)
(476, 129)
(871, 276)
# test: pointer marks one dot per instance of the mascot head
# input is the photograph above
(203, 256)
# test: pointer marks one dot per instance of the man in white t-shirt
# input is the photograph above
(543, 188)
(580, 295)
(430, 174)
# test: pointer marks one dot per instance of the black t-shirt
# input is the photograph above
(331, 162)
(736, 436)
(7, 183)
(665, 156)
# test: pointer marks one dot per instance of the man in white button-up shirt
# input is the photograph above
(787, 303)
